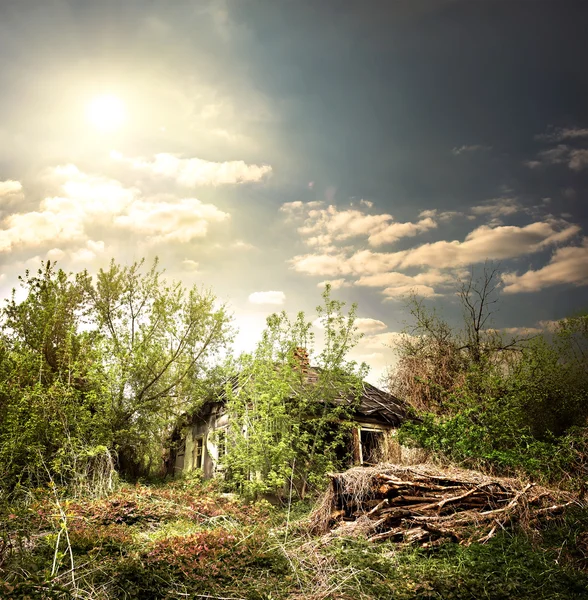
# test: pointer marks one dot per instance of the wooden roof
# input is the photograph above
(374, 404)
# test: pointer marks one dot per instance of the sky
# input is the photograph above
(261, 148)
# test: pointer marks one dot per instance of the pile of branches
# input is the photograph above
(424, 504)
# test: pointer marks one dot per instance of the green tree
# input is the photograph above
(157, 340)
(504, 402)
(290, 420)
(104, 362)
(50, 404)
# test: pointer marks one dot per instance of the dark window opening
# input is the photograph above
(197, 453)
(222, 443)
(371, 446)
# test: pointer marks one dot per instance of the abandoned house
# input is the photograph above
(201, 441)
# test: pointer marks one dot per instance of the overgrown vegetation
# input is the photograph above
(290, 423)
(182, 540)
(499, 402)
(95, 371)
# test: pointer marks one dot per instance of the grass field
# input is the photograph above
(184, 540)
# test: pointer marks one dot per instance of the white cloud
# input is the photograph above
(241, 245)
(400, 292)
(39, 227)
(175, 220)
(483, 243)
(393, 232)
(471, 148)
(381, 340)
(324, 227)
(567, 266)
(336, 284)
(190, 265)
(575, 158)
(85, 201)
(82, 254)
(564, 133)
(321, 264)
(519, 331)
(271, 297)
(335, 225)
(497, 207)
(87, 253)
(394, 279)
(366, 325)
(493, 243)
(444, 216)
(578, 160)
(190, 172)
(10, 187)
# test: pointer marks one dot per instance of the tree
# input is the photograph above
(156, 339)
(288, 419)
(50, 405)
(103, 361)
(509, 403)
(437, 363)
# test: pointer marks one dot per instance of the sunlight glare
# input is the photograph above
(106, 113)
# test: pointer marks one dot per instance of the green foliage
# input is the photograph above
(169, 542)
(508, 405)
(511, 565)
(289, 421)
(157, 341)
(95, 368)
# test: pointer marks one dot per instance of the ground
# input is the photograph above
(185, 540)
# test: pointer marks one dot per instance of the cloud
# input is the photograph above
(190, 265)
(519, 331)
(170, 221)
(471, 148)
(567, 266)
(389, 339)
(190, 172)
(575, 158)
(366, 325)
(39, 227)
(83, 254)
(497, 207)
(393, 232)
(403, 291)
(562, 134)
(84, 201)
(241, 245)
(331, 224)
(493, 243)
(483, 243)
(336, 284)
(443, 216)
(324, 227)
(322, 264)
(9, 187)
(399, 284)
(271, 297)
(578, 160)
(87, 253)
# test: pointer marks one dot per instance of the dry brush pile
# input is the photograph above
(425, 504)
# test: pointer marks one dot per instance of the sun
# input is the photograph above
(106, 113)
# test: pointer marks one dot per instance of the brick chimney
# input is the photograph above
(301, 357)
